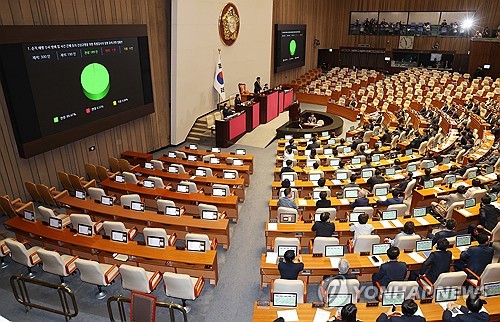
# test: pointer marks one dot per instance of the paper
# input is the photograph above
(272, 226)
(377, 264)
(334, 261)
(321, 315)
(302, 202)
(192, 177)
(397, 223)
(121, 257)
(445, 304)
(418, 173)
(463, 248)
(288, 315)
(344, 201)
(386, 224)
(398, 176)
(422, 221)
(271, 258)
(337, 182)
(416, 257)
(383, 198)
(465, 212)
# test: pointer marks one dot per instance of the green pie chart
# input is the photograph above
(293, 47)
(95, 81)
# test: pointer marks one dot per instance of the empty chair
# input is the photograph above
(126, 200)
(96, 193)
(409, 188)
(46, 194)
(206, 158)
(102, 172)
(478, 194)
(179, 167)
(401, 209)
(294, 174)
(64, 180)
(470, 171)
(157, 164)
(27, 257)
(98, 274)
(183, 286)
(367, 210)
(110, 226)
(209, 244)
(78, 183)
(192, 186)
(290, 286)
(284, 241)
(286, 210)
(158, 182)
(346, 286)
(13, 207)
(381, 186)
(445, 280)
(84, 219)
(410, 288)
(60, 265)
(138, 279)
(114, 164)
(318, 245)
(407, 242)
(364, 243)
(180, 155)
(125, 165)
(91, 172)
(425, 163)
(35, 195)
(209, 172)
(4, 251)
(234, 173)
(203, 206)
(331, 211)
(491, 274)
(47, 213)
(224, 187)
(367, 136)
(130, 177)
(422, 148)
(159, 232)
(162, 203)
(454, 205)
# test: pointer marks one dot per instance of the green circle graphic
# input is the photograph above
(95, 81)
(293, 47)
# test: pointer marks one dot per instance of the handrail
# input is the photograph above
(18, 284)
(123, 316)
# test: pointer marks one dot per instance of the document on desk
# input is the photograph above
(321, 315)
(288, 315)
(271, 258)
(272, 226)
(445, 304)
(376, 264)
(398, 176)
(337, 182)
(120, 257)
(416, 257)
(344, 201)
(302, 202)
(463, 248)
(386, 224)
(422, 221)
(397, 223)
(465, 212)
(192, 177)
(334, 261)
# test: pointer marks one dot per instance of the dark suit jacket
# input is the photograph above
(323, 203)
(256, 87)
(477, 257)
(290, 271)
(390, 201)
(384, 318)
(438, 262)
(360, 202)
(466, 317)
(390, 271)
(488, 216)
(323, 229)
(443, 234)
(374, 180)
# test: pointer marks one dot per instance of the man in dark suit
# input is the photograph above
(288, 167)
(256, 86)
(291, 267)
(237, 100)
(470, 313)
(448, 231)
(377, 178)
(362, 201)
(438, 262)
(488, 214)
(405, 181)
(324, 228)
(395, 200)
(476, 257)
(408, 308)
(323, 202)
(390, 271)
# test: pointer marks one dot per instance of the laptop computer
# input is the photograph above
(285, 299)
(339, 300)
(393, 298)
(424, 246)
(334, 250)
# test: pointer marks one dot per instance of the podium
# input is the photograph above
(252, 110)
(230, 130)
(269, 106)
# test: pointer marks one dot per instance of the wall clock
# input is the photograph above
(406, 42)
(229, 24)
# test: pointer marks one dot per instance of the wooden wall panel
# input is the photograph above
(485, 52)
(145, 134)
(328, 21)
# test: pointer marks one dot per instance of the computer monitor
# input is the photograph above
(85, 230)
(325, 134)
(341, 175)
(195, 245)
(107, 200)
(376, 158)
(183, 188)
(29, 215)
(446, 160)
(307, 152)
(486, 66)
(215, 150)
(193, 147)
(472, 175)
(315, 195)
(214, 160)
(445, 294)
(317, 216)
(307, 136)
(489, 170)
(173, 169)
(463, 240)
(148, 165)
(389, 215)
(218, 192)
(192, 158)
(380, 249)
(347, 149)
(328, 151)
(172, 155)
(424, 245)
(288, 137)
(351, 193)
(339, 300)
(334, 250)
(451, 179)
(55, 223)
(80, 194)
(137, 205)
(348, 139)
(380, 192)
(491, 289)
(148, 184)
(119, 178)
(408, 152)
(390, 171)
(430, 165)
(376, 133)
(119, 236)
(172, 211)
(209, 215)
(428, 184)
(229, 175)
(334, 162)
(355, 161)
(288, 218)
(290, 176)
(354, 216)
(155, 241)
(310, 163)
(352, 128)
(393, 298)
(419, 212)
(285, 299)
(314, 176)
(241, 152)
(493, 197)
(237, 162)
(283, 248)
(471, 202)
(200, 172)
(411, 168)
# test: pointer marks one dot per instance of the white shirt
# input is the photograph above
(361, 229)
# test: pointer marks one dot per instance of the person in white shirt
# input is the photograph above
(408, 230)
(288, 154)
(476, 185)
(316, 169)
(361, 227)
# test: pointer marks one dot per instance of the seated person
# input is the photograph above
(312, 119)
(470, 313)
(446, 201)
(391, 270)
(476, 257)
(448, 231)
(426, 177)
(323, 202)
(288, 154)
(408, 230)
(362, 201)
(488, 214)
(287, 200)
(316, 169)
(377, 178)
(291, 144)
(407, 314)
(476, 185)
(324, 286)
(237, 100)
(352, 183)
(226, 111)
(368, 164)
(324, 228)
(285, 183)
(404, 183)
(291, 266)
(397, 198)
(361, 227)
(314, 156)
(321, 185)
(288, 167)
(314, 145)
(347, 314)
(397, 165)
(438, 261)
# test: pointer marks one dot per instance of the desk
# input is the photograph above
(190, 201)
(285, 99)
(269, 108)
(136, 157)
(252, 110)
(247, 158)
(342, 111)
(167, 259)
(178, 225)
(230, 130)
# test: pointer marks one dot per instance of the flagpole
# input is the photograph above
(218, 94)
